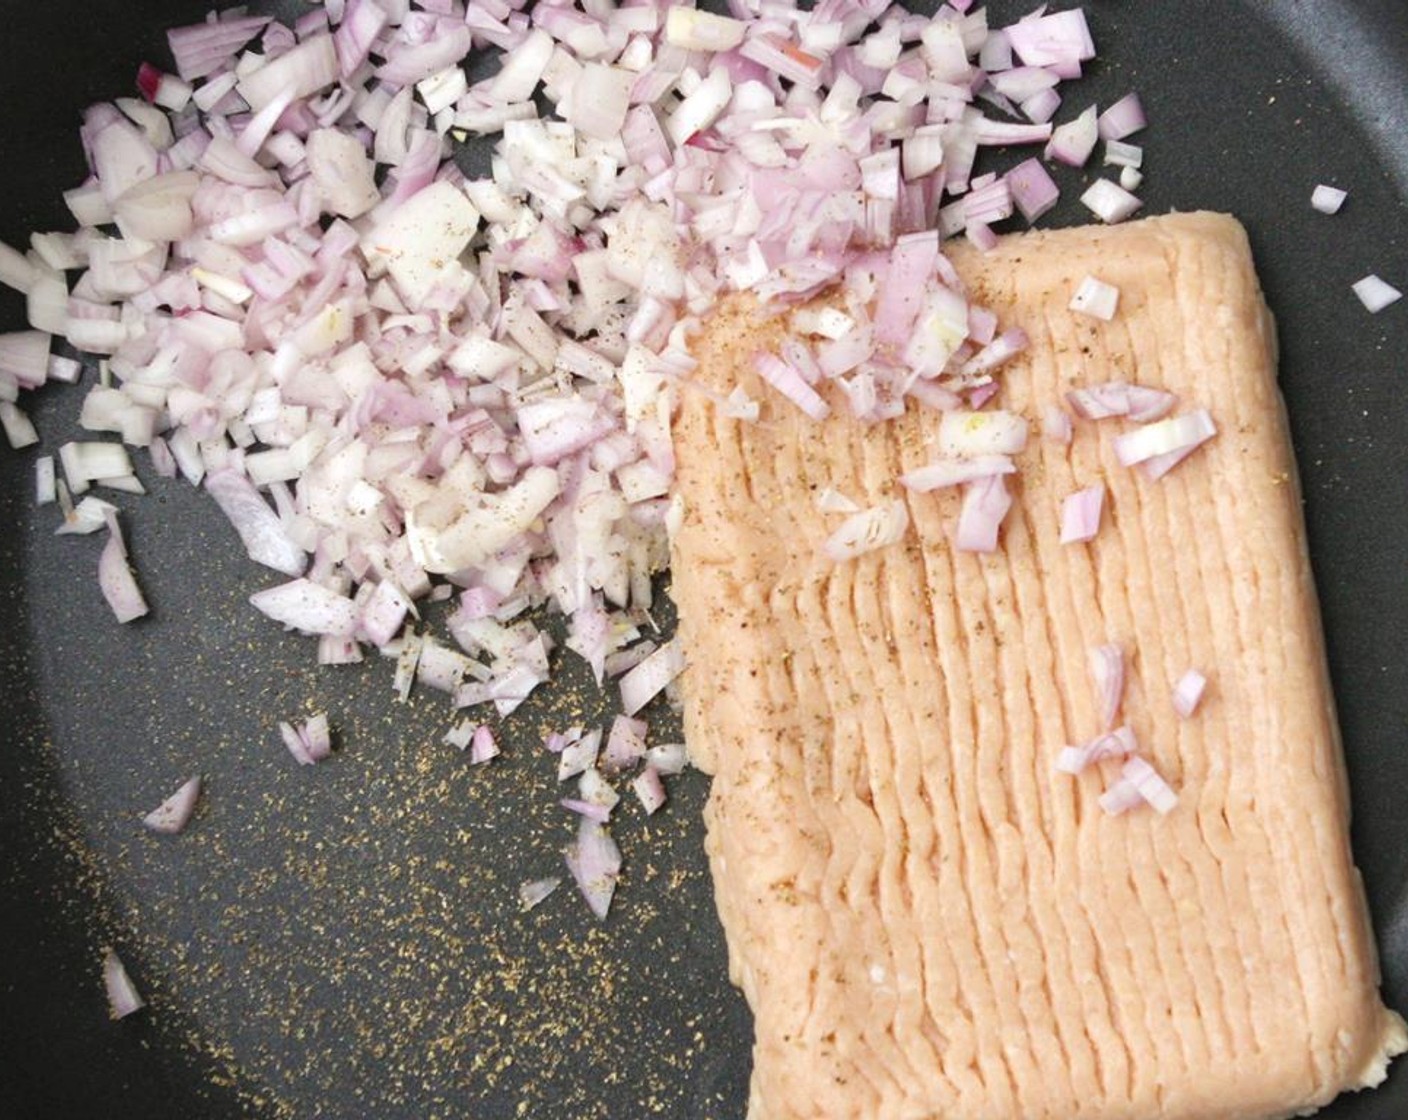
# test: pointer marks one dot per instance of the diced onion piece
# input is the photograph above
(45, 488)
(1072, 142)
(532, 893)
(1327, 199)
(1096, 298)
(482, 746)
(305, 69)
(1188, 692)
(1124, 118)
(1120, 154)
(1033, 189)
(1109, 201)
(1056, 424)
(790, 383)
(1178, 434)
(1080, 514)
(1118, 743)
(649, 790)
(1107, 671)
(1121, 797)
(985, 505)
(1376, 294)
(996, 432)
(624, 744)
(1152, 788)
(695, 30)
(307, 607)
(595, 863)
(265, 538)
(871, 529)
(172, 815)
(667, 758)
(1058, 39)
(649, 677)
(578, 755)
(123, 997)
(19, 429)
(954, 472)
(202, 48)
(115, 578)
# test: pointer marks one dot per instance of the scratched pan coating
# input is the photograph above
(346, 941)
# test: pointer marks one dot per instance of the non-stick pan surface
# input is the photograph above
(346, 941)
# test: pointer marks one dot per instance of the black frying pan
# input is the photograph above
(346, 942)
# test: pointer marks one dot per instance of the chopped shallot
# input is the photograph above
(1375, 294)
(649, 790)
(1328, 200)
(868, 530)
(1161, 445)
(595, 863)
(1109, 201)
(1080, 514)
(123, 997)
(1118, 743)
(1152, 788)
(1096, 298)
(531, 893)
(115, 578)
(1107, 671)
(172, 814)
(309, 742)
(1188, 693)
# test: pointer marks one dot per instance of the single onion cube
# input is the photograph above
(1150, 785)
(1376, 294)
(1096, 298)
(649, 790)
(1080, 514)
(1328, 200)
(1109, 201)
(1188, 692)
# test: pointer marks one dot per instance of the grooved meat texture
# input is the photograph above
(926, 919)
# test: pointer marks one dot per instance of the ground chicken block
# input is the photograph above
(926, 918)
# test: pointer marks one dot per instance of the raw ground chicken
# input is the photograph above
(926, 918)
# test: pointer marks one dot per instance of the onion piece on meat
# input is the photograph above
(1096, 298)
(1164, 444)
(1118, 743)
(985, 505)
(1080, 514)
(1188, 693)
(871, 529)
(1107, 670)
(1152, 788)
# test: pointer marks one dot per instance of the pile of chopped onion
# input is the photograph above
(401, 384)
